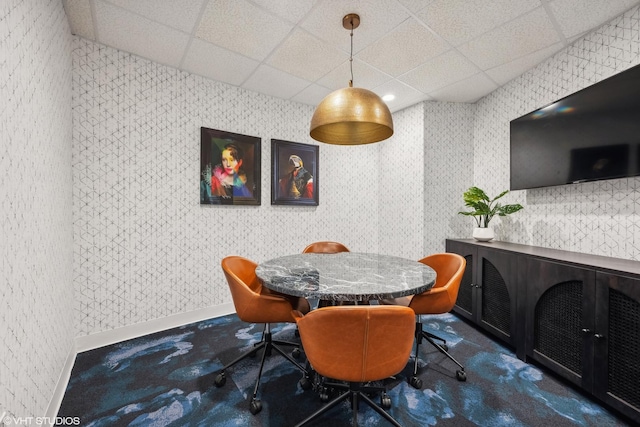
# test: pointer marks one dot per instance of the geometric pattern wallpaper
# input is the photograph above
(601, 218)
(400, 186)
(144, 247)
(36, 234)
(448, 160)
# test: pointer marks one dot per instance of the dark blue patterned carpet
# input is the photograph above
(166, 379)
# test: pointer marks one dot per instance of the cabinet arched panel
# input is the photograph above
(496, 302)
(496, 297)
(618, 343)
(558, 323)
(465, 294)
(624, 347)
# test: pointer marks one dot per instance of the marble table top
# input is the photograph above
(346, 276)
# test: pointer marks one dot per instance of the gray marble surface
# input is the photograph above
(346, 276)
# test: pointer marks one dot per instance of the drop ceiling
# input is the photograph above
(443, 50)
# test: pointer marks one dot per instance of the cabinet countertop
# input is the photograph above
(576, 258)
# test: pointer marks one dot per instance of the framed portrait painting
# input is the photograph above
(294, 173)
(229, 168)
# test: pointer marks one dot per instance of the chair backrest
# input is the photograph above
(357, 343)
(442, 297)
(325, 248)
(248, 299)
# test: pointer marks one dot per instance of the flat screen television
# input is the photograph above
(590, 135)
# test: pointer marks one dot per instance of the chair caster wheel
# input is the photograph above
(415, 382)
(385, 401)
(446, 347)
(305, 383)
(324, 394)
(255, 406)
(296, 353)
(220, 380)
(461, 375)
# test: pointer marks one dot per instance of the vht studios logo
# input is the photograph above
(7, 420)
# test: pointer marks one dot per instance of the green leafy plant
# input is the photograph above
(484, 208)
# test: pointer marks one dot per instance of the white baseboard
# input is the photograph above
(61, 386)
(101, 339)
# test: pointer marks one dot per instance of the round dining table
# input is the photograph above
(346, 276)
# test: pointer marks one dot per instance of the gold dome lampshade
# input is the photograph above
(351, 116)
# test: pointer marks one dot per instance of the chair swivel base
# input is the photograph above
(416, 382)
(356, 392)
(268, 344)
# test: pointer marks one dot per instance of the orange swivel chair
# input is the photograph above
(328, 247)
(257, 304)
(357, 344)
(439, 299)
(325, 248)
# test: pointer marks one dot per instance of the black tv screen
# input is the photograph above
(590, 135)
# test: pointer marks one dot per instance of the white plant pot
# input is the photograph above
(483, 234)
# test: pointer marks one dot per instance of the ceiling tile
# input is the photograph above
(216, 63)
(80, 20)
(459, 21)
(522, 36)
(468, 90)
(403, 49)
(506, 72)
(305, 56)
(131, 33)
(311, 95)
(274, 82)
(415, 5)
(376, 18)
(179, 14)
(363, 76)
(404, 95)
(290, 11)
(242, 27)
(577, 16)
(409, 42)
(440, 71)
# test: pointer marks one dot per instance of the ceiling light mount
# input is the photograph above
(351, 116)
(351, 21)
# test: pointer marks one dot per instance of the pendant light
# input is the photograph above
(351, 116)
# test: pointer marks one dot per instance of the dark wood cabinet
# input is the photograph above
(488, 292)
(577, 315)
(558, 318)
(616, 342)
(467, 295)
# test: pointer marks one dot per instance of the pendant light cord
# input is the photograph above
(351, 56)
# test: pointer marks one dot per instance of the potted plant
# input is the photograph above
(484, 209)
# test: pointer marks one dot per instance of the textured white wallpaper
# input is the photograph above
(36, 292)
(601, 218)
(144, 246)
(448, 172)
(400, 186)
